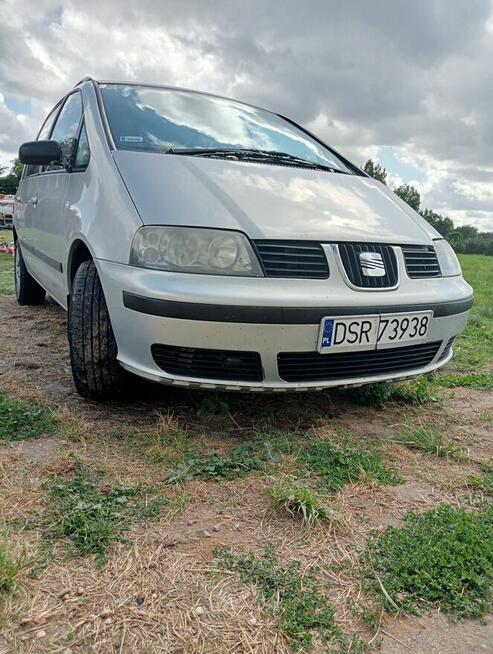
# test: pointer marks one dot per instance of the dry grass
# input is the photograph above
(167, 562)
(147, 599)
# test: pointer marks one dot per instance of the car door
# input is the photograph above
(26, 206)
(51, 197)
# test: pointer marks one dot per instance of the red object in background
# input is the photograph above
(7, 249)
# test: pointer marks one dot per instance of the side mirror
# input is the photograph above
(40, 153)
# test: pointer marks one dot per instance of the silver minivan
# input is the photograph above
(202, 242)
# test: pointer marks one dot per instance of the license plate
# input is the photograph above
(345, 333)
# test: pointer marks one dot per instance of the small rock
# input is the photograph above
(108, 621)
(153, 564)
(139, 600)
(216, 527)
(39, 620)
(199, 610)
(154, 595)
(206, 533)
(41, 634)
(252, 621)
(237, 526)
(67, 651)
(25, 637)
(106, 612)
(63, 593)
(81, 590)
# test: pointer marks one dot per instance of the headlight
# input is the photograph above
(194, 250)
(449, 264)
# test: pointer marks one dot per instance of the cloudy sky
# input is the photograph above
(407, 83)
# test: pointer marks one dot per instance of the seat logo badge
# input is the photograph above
(372, 264)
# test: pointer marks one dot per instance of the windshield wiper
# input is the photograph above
(246, 154)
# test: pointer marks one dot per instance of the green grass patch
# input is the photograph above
(482, 482)
(7, 267)
(213, 404)
(238, 462)
(92, 514)
(482, 381)
(331, 465)
(473, 349)
(11, 564)
(6, 274)
(417, 391)
(439, 559)
(168, 447)
(20, 420)
(299, 500)
(297, 598)
(335, 466)
(429, 438)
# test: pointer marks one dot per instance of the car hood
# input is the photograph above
(266, 201)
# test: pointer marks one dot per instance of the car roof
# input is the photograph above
(171, 88)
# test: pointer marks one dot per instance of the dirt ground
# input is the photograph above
(74, 607)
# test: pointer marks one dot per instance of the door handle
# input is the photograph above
(34, 200)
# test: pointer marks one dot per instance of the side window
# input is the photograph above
(42, 136)
(83, 153)
(44, 133)
(66, 126)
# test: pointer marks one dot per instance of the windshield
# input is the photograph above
(160, 120)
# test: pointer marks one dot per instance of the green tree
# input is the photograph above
(410, 195)
(10, 181)
(443, 224)
(376, 171)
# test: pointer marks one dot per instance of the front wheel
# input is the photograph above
(27, 289)
(93, 351)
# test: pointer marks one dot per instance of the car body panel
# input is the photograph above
(136, 332)
(266, 201)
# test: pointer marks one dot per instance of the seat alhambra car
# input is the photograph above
(202, 242)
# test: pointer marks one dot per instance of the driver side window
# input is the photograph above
(43, 135)
(66, 127)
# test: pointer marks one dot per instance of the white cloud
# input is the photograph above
(364, 76)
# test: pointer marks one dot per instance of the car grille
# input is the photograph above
(313, 367)
(446, 349)
(208, 364)
(349, 253)
(292, 259)
(421, 261)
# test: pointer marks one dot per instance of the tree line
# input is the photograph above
(465, 239)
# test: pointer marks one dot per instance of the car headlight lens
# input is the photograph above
(194, 250)
(449, 264)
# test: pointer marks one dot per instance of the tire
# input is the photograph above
(93, 350)
(27, 289)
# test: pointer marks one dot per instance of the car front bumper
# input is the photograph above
(263, 315)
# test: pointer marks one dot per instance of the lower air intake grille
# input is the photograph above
(224, 365)
(312, 366)
(421, 261)
(301, 259)
(353, 265)
(446, 349)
